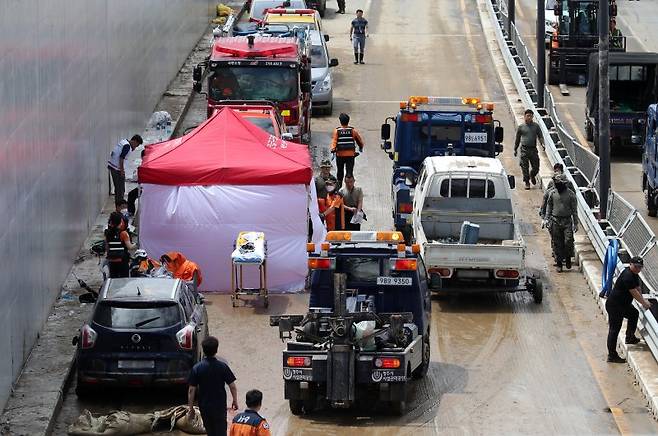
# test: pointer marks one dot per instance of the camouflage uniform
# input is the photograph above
(527, 135)
(562, 215)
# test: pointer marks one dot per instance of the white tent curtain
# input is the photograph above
(202, 222)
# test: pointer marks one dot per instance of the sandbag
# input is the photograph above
(117, 423)
(177, 418)
(223, 10)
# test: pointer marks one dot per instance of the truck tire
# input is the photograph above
(538, 291)
(552, 76)
(589, 131)
(296, 407)
(421, 371)
(82, 391)
(652, 208)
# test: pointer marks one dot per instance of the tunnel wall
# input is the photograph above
(75, 77)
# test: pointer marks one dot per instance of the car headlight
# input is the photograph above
(326, 84)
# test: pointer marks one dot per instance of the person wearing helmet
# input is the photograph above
(142, 265)
(561, 218)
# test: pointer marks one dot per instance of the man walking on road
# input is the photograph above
(562, 220)
(358, 35)
(249, 422)
(344, 142)
(116, 166)
(526, 136)
(208, 377)
(620, 305)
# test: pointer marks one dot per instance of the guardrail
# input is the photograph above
(623, 221)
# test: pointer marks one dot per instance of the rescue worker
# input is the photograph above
(332, 209)
(116, 166)
(117, 244)
(562, 220)
(353, 202)
(208, 377)
(620, 305)
(358, 35)
(180, 267)
(616, 39)
(558, 169)
(526, 136)
(321, 179)
(249, 422)
(341, 6)
(344, 142)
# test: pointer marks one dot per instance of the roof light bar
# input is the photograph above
(391, 237)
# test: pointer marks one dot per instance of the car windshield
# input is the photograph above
(263, 123)
(254, 83)
(136, 316)
(318, 57)
(259, 7)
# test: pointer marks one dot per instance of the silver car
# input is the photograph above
(323, 94)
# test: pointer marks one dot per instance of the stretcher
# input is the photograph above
(249, 249)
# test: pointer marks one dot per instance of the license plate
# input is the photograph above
(136, 364)
(473, 274)
(394, 281)
(475, 137)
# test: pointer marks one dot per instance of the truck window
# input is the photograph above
(254, 83)
(471, 188)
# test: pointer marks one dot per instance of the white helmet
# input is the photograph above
(141, 253)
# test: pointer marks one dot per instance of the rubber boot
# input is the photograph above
(356, 58)
(361, 58)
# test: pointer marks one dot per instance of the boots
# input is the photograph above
(356, 58)
(361, 58)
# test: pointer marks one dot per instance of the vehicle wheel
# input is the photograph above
(421, 371)
(82, 391)
(589, 131)
(652, 208)
(296, 407)
(435, 282)
(552, 77)
(398, 408)
(538, 291)
(330, 109)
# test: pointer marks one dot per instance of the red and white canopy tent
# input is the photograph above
(227, 176)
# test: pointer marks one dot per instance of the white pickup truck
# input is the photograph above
(452, 190)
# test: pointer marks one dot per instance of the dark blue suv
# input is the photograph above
(143, 332)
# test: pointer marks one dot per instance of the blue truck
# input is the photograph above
(366, 334)
(435, 126)
(650, 161)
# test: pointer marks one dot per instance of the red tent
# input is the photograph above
(226, 150)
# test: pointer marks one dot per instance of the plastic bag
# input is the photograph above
(159, 120)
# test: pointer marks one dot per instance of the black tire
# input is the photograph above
(553, 78)
(328, 111)
(421, 371)
(296, 407)
(538, 291)
(82, 391)
(652, 208)
(589, 131)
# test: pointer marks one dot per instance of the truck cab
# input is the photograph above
(260, 68)
(435, 126)
(366, 333)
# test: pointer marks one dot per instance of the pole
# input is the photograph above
(511, 16)
(604, 108)
(541, 52)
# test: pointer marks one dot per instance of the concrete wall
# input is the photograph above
(75, 77)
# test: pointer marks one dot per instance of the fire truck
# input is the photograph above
(257, 67)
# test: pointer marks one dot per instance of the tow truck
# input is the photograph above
(367, 331)
(257, 67)
(435, 126)
(575, 37)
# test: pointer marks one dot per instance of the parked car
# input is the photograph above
(323, 93)
(143, 332)
(259, 8)
(263, 114)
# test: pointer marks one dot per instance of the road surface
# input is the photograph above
(500, 364)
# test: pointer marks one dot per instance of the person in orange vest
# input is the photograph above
(332, 209)
(249, 422)
(180, 267)
(344, 142)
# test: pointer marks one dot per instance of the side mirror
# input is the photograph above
(499, 148)
(197, 73)
(75, 340)
(286, 136)
(197, 87)
(326, 38)
(512, 181)
(333, 63)
(306, 87)
(386, 132)
(498, 134)
(386, 145)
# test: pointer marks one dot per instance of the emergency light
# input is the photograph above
(337, 237)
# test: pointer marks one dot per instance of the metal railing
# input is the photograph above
(623, 221)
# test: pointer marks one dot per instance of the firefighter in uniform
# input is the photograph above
(562, 220)
(344, 142)
(249, 422)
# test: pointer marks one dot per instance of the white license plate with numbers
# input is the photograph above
(394, 281)
(136, 364)
(475, 137)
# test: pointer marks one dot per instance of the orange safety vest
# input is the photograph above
(182, 268)
(339, 211)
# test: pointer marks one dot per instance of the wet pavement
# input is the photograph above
(500, 363)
